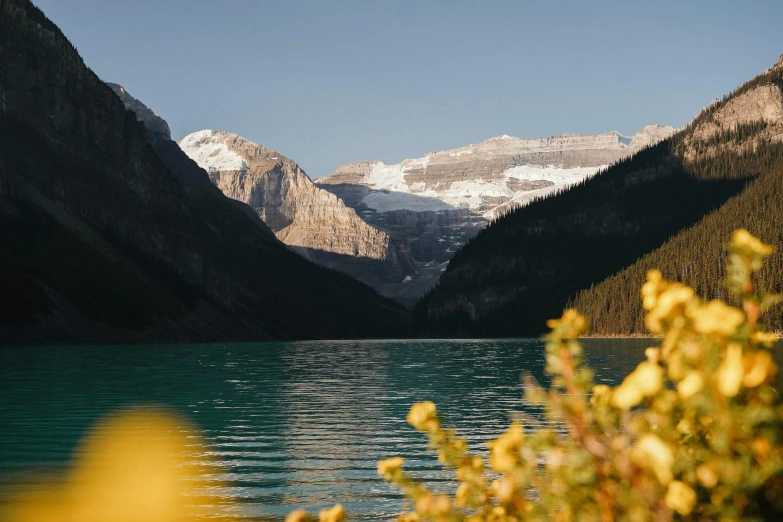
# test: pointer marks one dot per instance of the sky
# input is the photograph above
(327, 82)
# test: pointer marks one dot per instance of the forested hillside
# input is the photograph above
(672, 206)
(695, 256)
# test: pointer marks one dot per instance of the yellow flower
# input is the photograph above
(420, 413)
(334, 514)
(673, 296)
(555, 459)
(653, 354)
(757, 367)
(389, 466)
(663, 302)
(765, 338)
(690, 385)
(716, 317)
(650, 452)
(707, 475)
(645, 381)
(433, 506)
(463, 492)
(499, 512)
(505, 489)
(729, 374)
(680, 497)
(746, 241)
(409, 517)
(601, 392)
(300, 515)
(506, 449)
(684, 426)
(626, 397)
(470, 469)
(650, 377)
(571, 321)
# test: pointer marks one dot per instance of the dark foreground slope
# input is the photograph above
(103, 239)
(723, 171)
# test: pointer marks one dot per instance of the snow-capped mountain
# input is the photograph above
(490, 176)
(441, 200)
(309, 219)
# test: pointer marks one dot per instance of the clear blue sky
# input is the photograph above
(329, 82)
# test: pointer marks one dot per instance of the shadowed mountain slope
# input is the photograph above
(106, 236)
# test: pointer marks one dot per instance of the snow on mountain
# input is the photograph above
(392, 177)
(489, 177)
(312, 221)
(211, 153)
(473, 194)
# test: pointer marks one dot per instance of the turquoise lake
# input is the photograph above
(293, 425)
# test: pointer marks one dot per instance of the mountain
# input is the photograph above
(672, 205)
(110, 233)
(746, 128)
(439, 202)
(313, 221)
(491, 176)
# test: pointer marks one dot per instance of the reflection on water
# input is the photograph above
(288, 425)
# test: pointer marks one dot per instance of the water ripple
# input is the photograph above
(290, 424)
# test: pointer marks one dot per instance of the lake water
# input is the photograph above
(292, 424)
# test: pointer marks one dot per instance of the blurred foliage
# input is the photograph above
(136, 466)
(693, 433)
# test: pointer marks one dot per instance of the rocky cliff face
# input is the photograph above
(111, 233)
(442, 200)
(761, 104)
(157, 128)
(755, 108)
(312, 220)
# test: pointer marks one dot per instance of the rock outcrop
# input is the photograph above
(111, 233)
(314, 221)
(754, 110)
(157, 127)
(760, 104)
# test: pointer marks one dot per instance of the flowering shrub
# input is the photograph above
(692, 433)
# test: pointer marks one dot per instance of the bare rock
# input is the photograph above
(764, 103)
(301, 214)
(156, 126)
